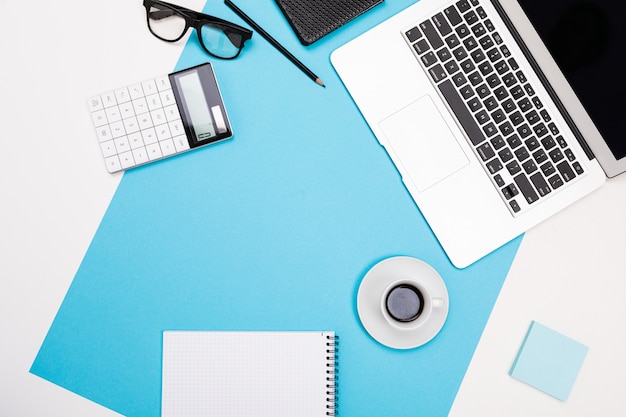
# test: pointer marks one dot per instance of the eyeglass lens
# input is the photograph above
(169, 24)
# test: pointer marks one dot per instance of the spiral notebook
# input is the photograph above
(239, 373)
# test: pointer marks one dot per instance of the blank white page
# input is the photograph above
(247, 374)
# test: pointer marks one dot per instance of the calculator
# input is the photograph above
(159, 117)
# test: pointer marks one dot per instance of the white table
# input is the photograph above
(568, 273)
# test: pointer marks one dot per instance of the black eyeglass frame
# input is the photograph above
(196, 20)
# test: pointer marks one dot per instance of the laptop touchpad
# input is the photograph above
(421, 139)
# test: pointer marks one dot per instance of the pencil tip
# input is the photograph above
(317, 80)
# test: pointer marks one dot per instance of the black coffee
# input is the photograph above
(404, 303)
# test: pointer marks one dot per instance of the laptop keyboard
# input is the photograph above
(511, 131)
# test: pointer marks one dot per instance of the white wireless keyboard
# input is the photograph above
(159, 117)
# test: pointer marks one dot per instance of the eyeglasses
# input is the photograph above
(218, 37)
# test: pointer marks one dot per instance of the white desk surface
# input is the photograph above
(568, 273)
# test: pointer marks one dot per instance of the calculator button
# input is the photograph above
(140, 155)
(149, 136)
(113, 114)
(140, 105)
(163, 83)
(113, 164)
(158, 117)
(122, 95)
(135, 91)
(122, 145)
(163, 132)
(131, 124)
(145, 121)
(99, 118)
(167, 147)
(154, 102)
(108, 148)
(117, 129)
(181, 143)
(149, 87)
(127, 110)
(176, 127)
(172, 113)
(135, 140)
(154, 151)
(104, 133)
(95, 103)
(167, 98)
(108, 100)
(127, 160)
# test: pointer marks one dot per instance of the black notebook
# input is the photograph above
(313, 19)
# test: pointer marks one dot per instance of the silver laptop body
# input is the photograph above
(484, 172)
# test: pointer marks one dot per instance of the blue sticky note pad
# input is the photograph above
(272, 230)
(549, 361)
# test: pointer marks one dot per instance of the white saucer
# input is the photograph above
(375, 284)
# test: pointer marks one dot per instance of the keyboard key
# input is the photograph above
(526, 188)
(540, 184)
(453, 15)
(442, 24)
(431, 34)
(462, 114)
(413, 34)
(566, 171)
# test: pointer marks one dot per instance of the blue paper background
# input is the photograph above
(272, 230)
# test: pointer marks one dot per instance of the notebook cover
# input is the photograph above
(313, 19)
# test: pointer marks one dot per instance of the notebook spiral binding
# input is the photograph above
(331, 375)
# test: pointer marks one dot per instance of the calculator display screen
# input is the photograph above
(199, 113)
(200, 103)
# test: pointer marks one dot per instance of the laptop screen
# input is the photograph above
(587, 40)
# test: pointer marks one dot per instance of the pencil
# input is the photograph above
(274, 42)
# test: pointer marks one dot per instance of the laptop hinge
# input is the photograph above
(544, 80)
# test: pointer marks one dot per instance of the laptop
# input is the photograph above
(489, 135)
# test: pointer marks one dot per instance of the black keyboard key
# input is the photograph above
(526, 188)
(442, 24)
(498, 179)
(555, 181)
(453, 15)
(510, 191)
(524, 104)
(421, 46)
(429, 59)
(498, 116)
(559, 139)
(540, 156)
(578, 168)
(490, 129)
(521, 77)
(485, 68)
(497, 38)
(437, 73)
(501, 67)
(481, 12)
(514, 141)
(413, 34)
(540, 184)
(501, 93)
(474, 104)
(470, 17)
(489, 25)
(486, 42)
(529, 90)
(505, 155)
(470, 43)
(494, 55)
(459, 53)
(537, 102)
(431, 34)
(494, 166)
(569, 155)
(524, 131)
(482, 117)
(490, 103)
(513, 167)
(508, 105)
(463, 5)
(522, 154)
(532, 143)
(545, 115)
(553, 129)
(497, 142)
(453, 41)
(466, 92)
(461, 112)
(540, 130)
(548, 169)
(444, 54)
(566, 171)
(506, 128)
(513, 64)
(556, 155)
(529, 166)
(479, 30)
(517, 92)
(514, 206)
(478, 56)
(462, 30)
(516, 118)
(452, 67)
(467, 66)
(485, 151)
(482, 91)
(493, 80)
(475, 78)
(532, 117)
(548, 142)
(459, 79)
